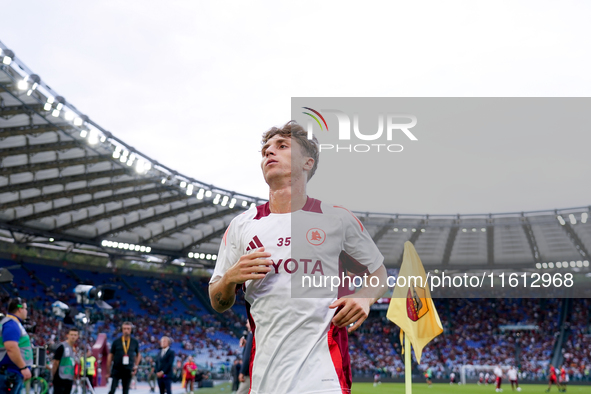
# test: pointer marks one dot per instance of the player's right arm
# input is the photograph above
(222, 290)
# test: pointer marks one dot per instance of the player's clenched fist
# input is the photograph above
(250, 266)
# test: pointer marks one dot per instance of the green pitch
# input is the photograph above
(422, 388)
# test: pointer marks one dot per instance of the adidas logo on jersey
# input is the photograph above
(254, 244)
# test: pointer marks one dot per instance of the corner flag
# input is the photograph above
(411, 307)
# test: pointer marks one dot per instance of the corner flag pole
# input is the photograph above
(407, 366)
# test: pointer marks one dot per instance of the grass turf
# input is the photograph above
(422, 388)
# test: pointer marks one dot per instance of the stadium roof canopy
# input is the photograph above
(64, 180)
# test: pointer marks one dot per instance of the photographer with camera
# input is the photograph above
(16, 352)
(64, 364)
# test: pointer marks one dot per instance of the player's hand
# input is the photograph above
(241, 377)
(250, 267)
(26, 374)
(354, 310)
(134, 370)
(242, 342)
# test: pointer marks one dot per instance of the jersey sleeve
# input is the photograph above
(59, 352)
(229, 253)
(358, 244)
(11, 331)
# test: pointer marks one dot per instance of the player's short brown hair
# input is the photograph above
(296, 132)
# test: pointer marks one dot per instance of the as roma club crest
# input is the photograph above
(316, 236)
(416, 303)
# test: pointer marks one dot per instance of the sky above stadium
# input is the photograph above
(194, 84)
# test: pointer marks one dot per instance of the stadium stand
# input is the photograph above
(78, 205)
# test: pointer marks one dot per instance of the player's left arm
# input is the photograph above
(355, 307)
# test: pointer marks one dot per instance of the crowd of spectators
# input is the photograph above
(474, 331)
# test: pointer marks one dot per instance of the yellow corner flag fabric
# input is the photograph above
(411, 307)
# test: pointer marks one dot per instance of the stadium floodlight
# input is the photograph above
(561, 220)
(163, 181)
(573, 264)
(47, 107)
(395, 229)
(244, 203)
(232, 203)
(550, 265)
(216, 200)
(584, 217)
(55, 113)
(545, 265)
(404, 230)
(83, 133)
(214, 256)
(538, 266)
(78, 122)
(585, 263)
(580, 264)
(483, 230)
(200, 194)
(22, 84)
(202, 256)
(7, 56)
(60, 309)
(208, 256)
(183, 184)
(148, 249)
(69, 116)
(558, 264)
(93, 137)
(225, 201)
(51, 239)
(208, 193)
(464, 230)
(572, 218)
(252, 205)
(422, 230)
(190, 255)
(190, 190)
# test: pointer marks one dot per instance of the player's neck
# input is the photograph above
(287, 199)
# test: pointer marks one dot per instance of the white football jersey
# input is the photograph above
(296, 349)
(512, 374)
(499, 372)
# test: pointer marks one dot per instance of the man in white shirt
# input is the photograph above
(512, 376)
(499, 374)
(300, 344)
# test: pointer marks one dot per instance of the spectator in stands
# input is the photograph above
(125, 357)
(164, 364)
(64, 364)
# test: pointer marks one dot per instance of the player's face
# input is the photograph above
(276, 160)
(279, 153)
